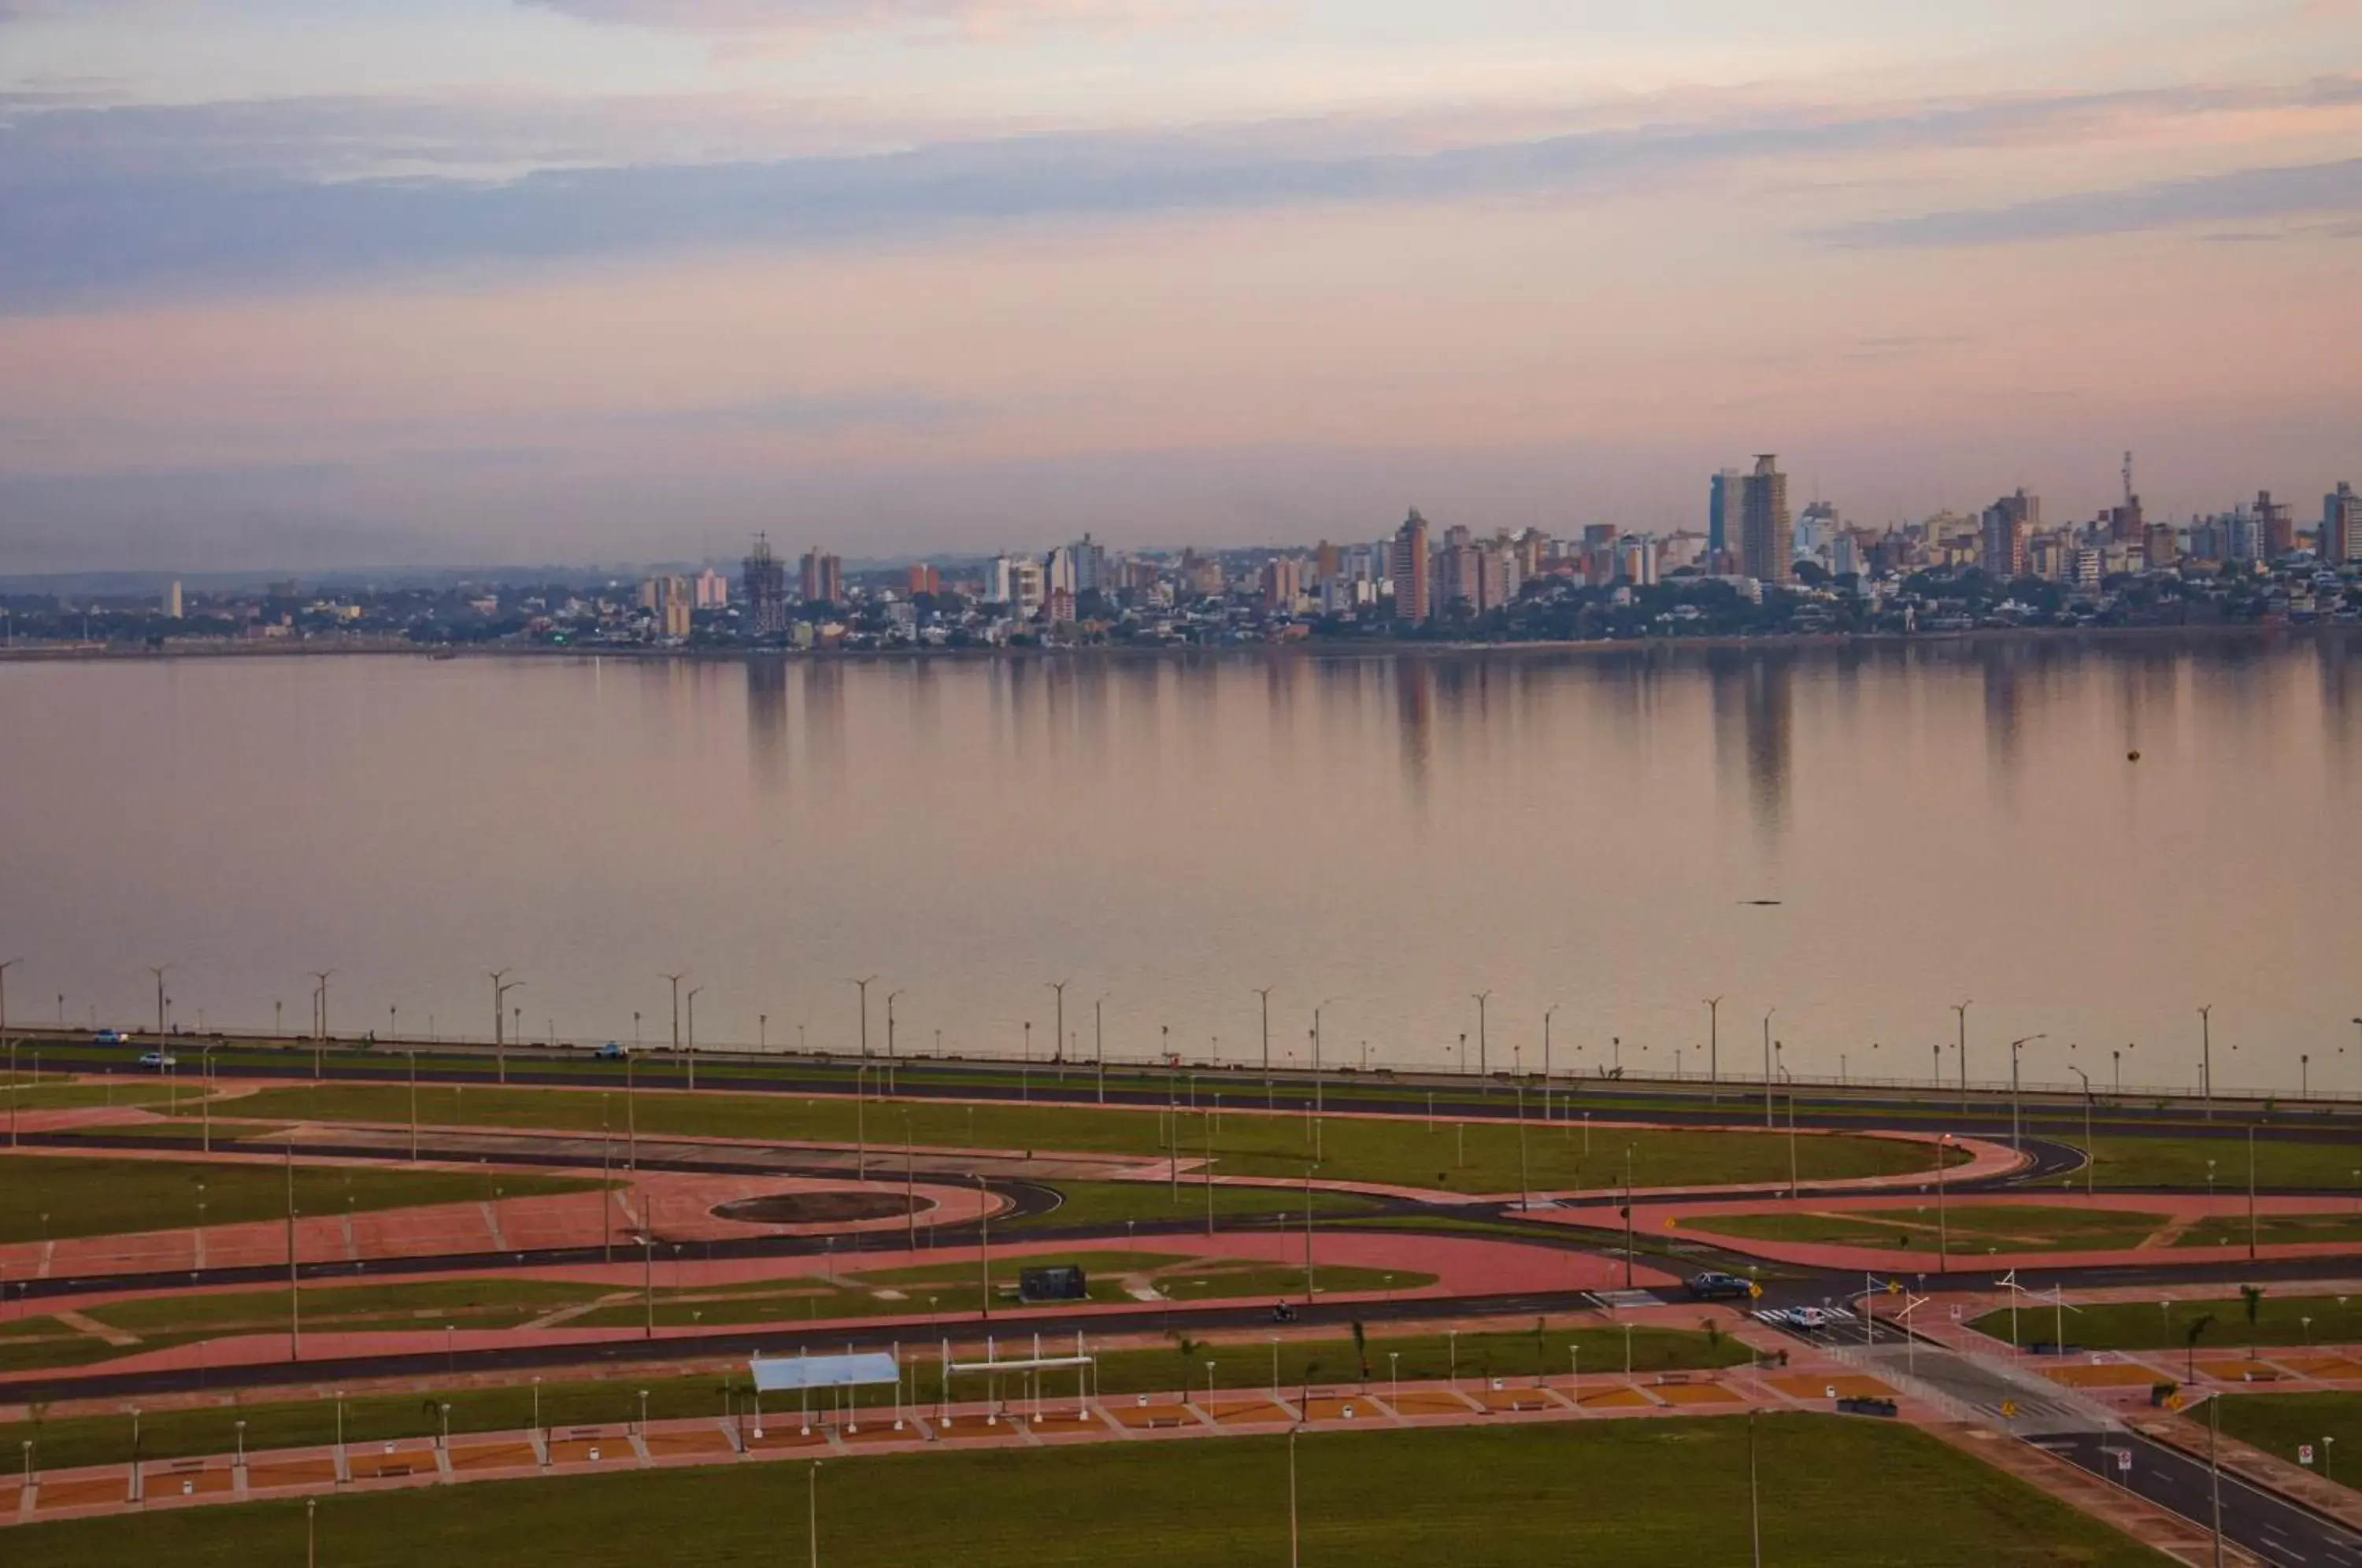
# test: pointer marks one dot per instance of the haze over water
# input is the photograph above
(1936, 823)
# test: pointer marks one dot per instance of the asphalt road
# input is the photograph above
(2265, 1523)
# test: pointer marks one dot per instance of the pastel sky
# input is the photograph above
(305, 283)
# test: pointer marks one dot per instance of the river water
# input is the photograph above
(1856, 840)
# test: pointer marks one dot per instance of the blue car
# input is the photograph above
(110, 1037)
(610, 1052)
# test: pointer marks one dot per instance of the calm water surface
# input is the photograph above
(1391, 834)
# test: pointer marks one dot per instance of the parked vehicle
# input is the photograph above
(158, 1061)
(610, 1052)
(110, 1037)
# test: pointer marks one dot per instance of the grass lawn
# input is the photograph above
(49, 1096)
(486, 1303)
(2231, 1230)
(2277, 1423)
(44, 1195)
(2148, 1325)
(1638, 1494)
(1402, 1152)
(2328, 1162)
(955, 1288)
(1974, 1227)
(1112, 1202)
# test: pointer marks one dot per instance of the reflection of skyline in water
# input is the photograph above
(1392, 828)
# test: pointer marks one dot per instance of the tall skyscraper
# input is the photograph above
(2007, 524)
(1723, 512)
(2341, 526)
(1765, 532)
(1407, 568)
(822, 578)
(713, 591)
(2276, 519)
(173, 600)
(762, 581)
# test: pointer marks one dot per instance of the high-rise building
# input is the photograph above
(1765, 548)
(1090, 565)
(668, 601)
(2275, 521)
(1283, 585)
(2157, 547)
(713, 591)
(2341, 526)
(173, 600)
(1723, 513)
(2007, 524)
(924, 579)
(763, 583)
(1028, 587)
(822, 577)
(1407, 568)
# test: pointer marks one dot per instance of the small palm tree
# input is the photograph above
(2251, 1297)
(2191, 1332)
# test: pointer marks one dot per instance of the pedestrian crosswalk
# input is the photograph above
(1804, 1319)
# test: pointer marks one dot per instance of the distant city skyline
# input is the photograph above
(495, 281)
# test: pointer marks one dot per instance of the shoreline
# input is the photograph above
(1878, 642)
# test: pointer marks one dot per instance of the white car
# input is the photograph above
(159, 1060)
(1810, 1318)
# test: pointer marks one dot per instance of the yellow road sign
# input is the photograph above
(2009, 1409)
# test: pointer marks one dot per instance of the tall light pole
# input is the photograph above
(2206, 1057)
(1767, 1064)
(502, 986)
(676, 980)
(1265, 993)
(862, 985)
(1482, 1066)
(812, 1510)
(1962, 1009)
(2015, 1143)
(890, 1021)
(691, 1000)
(1058, 1046)
(1943, 1229)
(5, 965)
(2091, 1159)
(1547, 1013)
(159, 970)
(1714, 1050)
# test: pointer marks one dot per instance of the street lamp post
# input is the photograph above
(862, 985)
(1943, 1231)
(1962, 1009)
(1057, 1046)
(2015, 1141)
(158, 970)
(1714, 1050)
(1263, 993)
(2206, 1058)
(676, 980)
(692, 1034)
(502, 986)
(1767, 1064)
(2091, 1159)
(890, 997)
(1483, 1066)
(320, 1007)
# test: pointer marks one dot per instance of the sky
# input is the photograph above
(305, 285)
